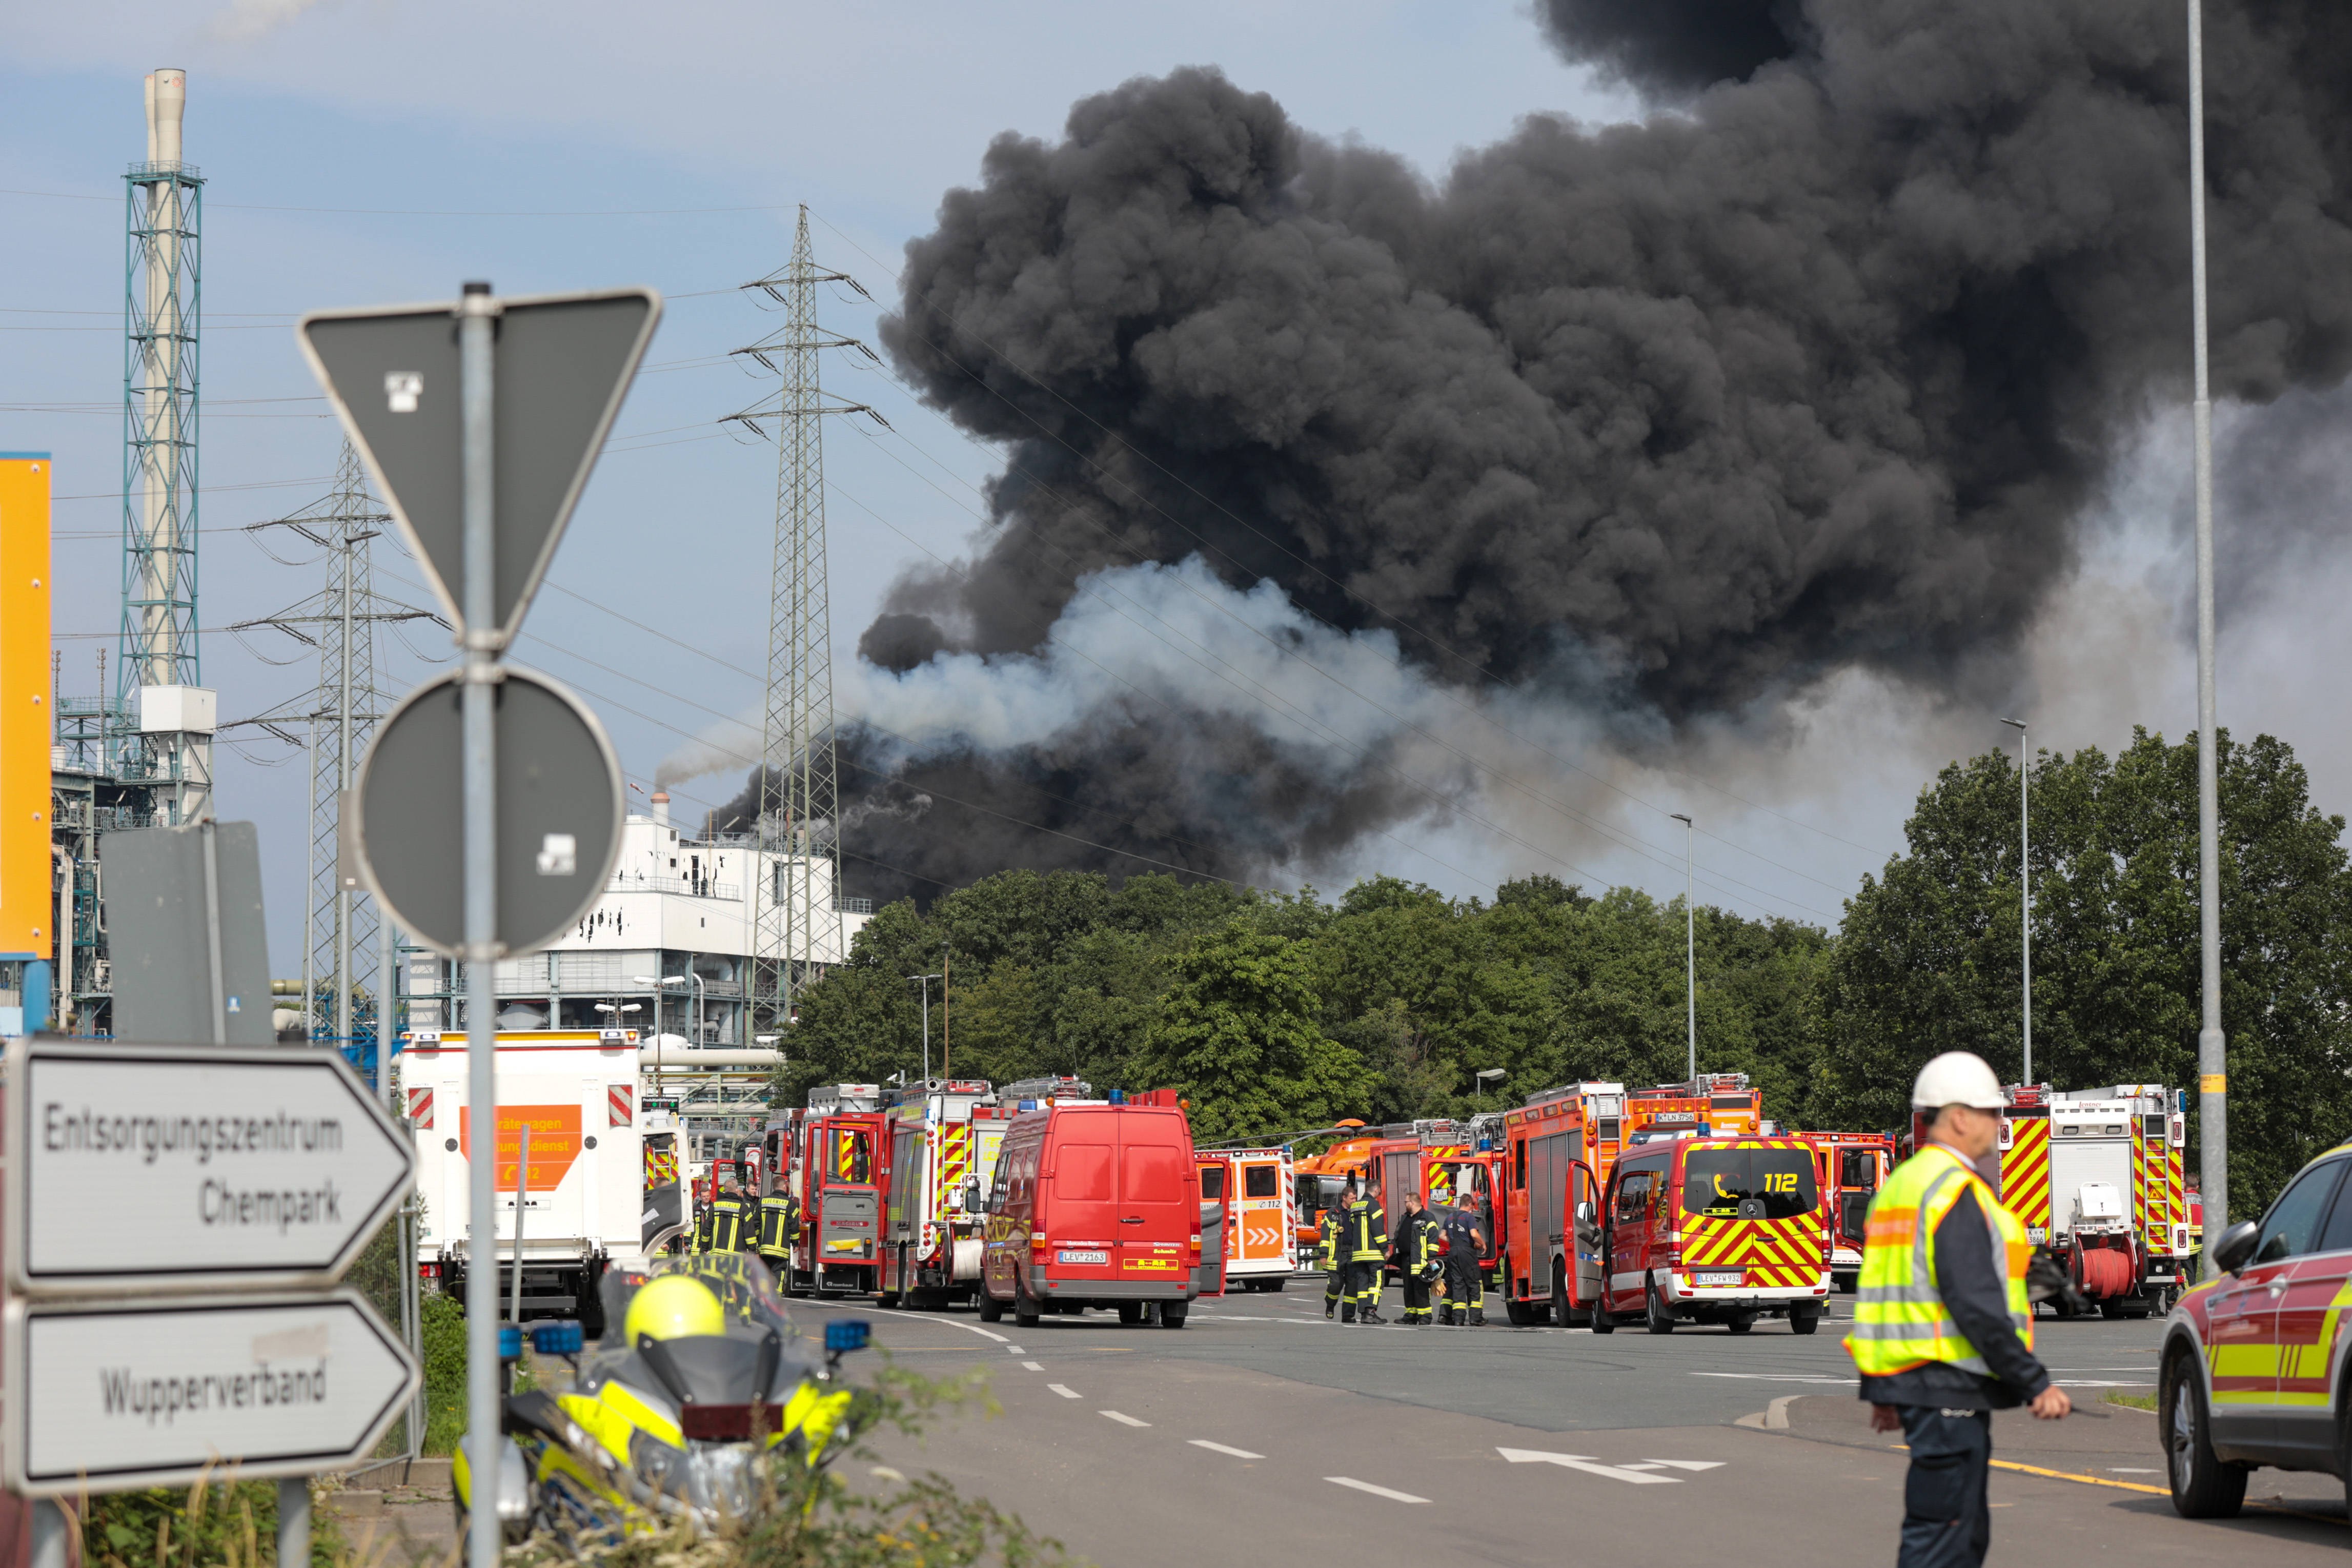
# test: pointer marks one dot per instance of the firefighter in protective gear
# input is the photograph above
(730, 1222)
(1327, 1232)
(1943, 1331)
(780, 1221)
(1367, 1241)
(1465, 1285)
(1416, 1259)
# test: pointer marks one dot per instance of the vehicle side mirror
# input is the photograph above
(2237, 1245)
(1584, 1212)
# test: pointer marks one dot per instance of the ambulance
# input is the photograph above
(593, 1193)
(1714, 1231)
(943, 1139)
(1551, 1255)
(2096, 1175)
(1255, 1188)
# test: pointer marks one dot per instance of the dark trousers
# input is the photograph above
(1334, 1287)
(1946, 1523)
(1416, 1299)
(1363, 1293)
(1465, 1285)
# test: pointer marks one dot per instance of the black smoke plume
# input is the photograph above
(1814, 372)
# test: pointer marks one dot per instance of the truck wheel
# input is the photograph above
(1130, 1313)
(1657, 1318)
(1521, 1313)
(1172, 1314)
(1560, 1293)
(1740, 1323)
(1024, 1310)
(1804, 1322)
(1603, 1322)
(2202, 1486)
(991, 1309)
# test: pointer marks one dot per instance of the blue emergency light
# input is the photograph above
(557, 1338)
(1118, 1096)
(845, 1334)
(509, 1342)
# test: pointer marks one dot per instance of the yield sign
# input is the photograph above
(562, 365)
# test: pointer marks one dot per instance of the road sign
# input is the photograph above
(154, 1393)
(558, 813)
(163, 907)
(563, 361)
(149, 1167)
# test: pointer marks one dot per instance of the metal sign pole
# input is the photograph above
(477, 328)
(293, 1521)
(523, 1198)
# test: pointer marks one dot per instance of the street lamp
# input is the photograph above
(680, 980)
(1690, 938)
(926, 980)
(2025, 882)
(617, 1011)
(1487, 1075)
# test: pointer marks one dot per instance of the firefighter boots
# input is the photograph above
(1477, 1318)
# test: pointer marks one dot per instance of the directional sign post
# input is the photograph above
(481, 420)
(156, 1393)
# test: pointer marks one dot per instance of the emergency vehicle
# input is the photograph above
(585, 1192)
(943, 1138)
(1551, 1255)
(1254, 1188)
(1717, 1104)
(1714, 1231)
(2095, 1175)
(1319, 1180)
(830, 1157)
(1440, 1162)
(1853, 1167)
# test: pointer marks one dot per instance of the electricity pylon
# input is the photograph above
(797, 913)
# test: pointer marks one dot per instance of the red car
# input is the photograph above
(2254, 1361)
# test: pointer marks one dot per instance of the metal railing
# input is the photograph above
(686, 886)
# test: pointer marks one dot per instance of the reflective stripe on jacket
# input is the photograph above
(1327, 1241)
(1367, 1232)
(726, 1225)
(1417, 1246)
(778, 1219)
(1900, 1320)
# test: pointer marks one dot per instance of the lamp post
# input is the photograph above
(666, 980)
(926, 980)
(1690, 939)
(616, 1009)
(2025, 883)
(1489, 1075)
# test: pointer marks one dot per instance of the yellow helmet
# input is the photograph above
(673, 1307)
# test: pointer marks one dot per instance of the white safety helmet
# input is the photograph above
(1958, 1078)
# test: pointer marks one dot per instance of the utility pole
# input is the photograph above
(1690, 938)
(2025, 883)
(333, 723)
(797, 913)
(2212, 1061)
(926, 980)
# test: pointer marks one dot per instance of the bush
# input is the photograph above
(231, 1525)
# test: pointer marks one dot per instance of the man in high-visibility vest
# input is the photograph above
(1943, 1332)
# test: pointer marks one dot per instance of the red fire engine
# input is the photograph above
(1442, 1163)
(1853, 1165)
(1552, 1260)
(2095, 1175)
(831, 1158)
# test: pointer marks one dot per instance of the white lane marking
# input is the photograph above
(1221, 1448)
(1033, 1366)
(2094, 1383)
(983, 1332)
(1779, 1377)
(1065, 1393)
(1587, 1464)
(2133, 1470)
(1015, 1349)
(1675, 1464)
(927, 1318)
(1376, 1491)
(1122, 1418)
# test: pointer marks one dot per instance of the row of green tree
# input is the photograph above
(1277, 1011)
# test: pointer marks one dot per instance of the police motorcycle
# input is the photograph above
(674, 1416)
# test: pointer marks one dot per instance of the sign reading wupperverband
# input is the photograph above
(162, 1167)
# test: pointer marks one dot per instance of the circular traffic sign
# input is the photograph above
(558, 813)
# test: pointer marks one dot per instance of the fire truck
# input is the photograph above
(1319, 1180)
(2095, 1175)
(1261, 1219)
(943, 1138)
(1440, 1161)
(1551, 1254)
(1853, 1167)
(1718, 1104)
(830, 1157)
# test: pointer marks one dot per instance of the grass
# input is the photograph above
(2137, 1400)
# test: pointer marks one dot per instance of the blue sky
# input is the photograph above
(327, 131)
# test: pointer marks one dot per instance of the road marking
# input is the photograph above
(1065, 1393)
(1590, 1466)
(1221, 1448)
(1033, 1366)
(1015, 1349)
(1122, 1418)
(2133, 1470)
(1675, 1464)
(924, 1318)
(2071, 1476)
(1779, 1377)
(1376, 1491)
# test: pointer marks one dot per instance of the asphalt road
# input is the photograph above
(1262, 1428)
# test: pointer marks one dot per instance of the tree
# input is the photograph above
(1237, 1035)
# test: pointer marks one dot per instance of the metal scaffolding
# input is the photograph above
(796, 907)
(333, 723)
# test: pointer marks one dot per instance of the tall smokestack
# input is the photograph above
(167, 101)
(661, 808)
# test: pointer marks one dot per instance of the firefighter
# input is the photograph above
(1943, 1331)
(1415, 1256)
(727, 1231)
(1328, 1231)
(1367, 1241)
(780, 1221)
(1465, 1289)
(702, 1219)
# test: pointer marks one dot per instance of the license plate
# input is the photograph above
(1731, 1280)
(1080, 1255)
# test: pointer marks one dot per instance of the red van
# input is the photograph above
(1714, 1231)
(1093, 1205)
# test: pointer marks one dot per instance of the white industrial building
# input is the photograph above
(678, 907)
